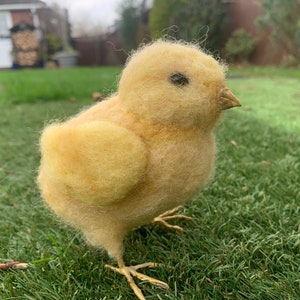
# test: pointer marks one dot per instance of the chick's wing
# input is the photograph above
(97, 162)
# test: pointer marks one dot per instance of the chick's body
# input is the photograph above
(162, 184)
(144, 150)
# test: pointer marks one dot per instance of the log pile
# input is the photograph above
(26, 45)
(27, 58)
(25, 40)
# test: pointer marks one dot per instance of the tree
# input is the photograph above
(92, 28)
(144, 30)
(162, 16)
(191, 20)
(283, 16)
(129, 24)
(239, 46)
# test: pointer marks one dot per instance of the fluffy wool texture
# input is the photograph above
(144, 150)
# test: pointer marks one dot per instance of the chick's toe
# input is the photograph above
(131, 271)
(168, 216)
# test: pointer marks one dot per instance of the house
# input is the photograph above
(12, 13)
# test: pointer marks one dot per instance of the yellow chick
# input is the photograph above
(145, 150)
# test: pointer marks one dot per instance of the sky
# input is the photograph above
(91, 13)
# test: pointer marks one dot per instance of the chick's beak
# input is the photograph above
(227, 99)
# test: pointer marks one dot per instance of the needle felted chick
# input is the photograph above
(145, 150)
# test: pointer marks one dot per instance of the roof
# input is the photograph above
(21, 27)
(20, 2)
(9, 5)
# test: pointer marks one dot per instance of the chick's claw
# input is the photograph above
(131, 271)
(169, 215)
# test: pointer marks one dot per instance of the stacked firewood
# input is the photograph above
(26, 46)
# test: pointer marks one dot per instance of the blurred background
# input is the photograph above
(63, 33)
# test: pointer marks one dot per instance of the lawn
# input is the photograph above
(244, 242)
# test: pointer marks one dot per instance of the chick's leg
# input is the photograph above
(168, 216)
(131, 271)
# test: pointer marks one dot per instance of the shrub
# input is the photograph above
(53, 44)
(239, 46)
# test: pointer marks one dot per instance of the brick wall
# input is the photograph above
(21, 16)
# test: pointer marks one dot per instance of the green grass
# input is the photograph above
(57, 84)
(276, 101)
(265, 71)
(244, 242)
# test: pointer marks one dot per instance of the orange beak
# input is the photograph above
(227, 99)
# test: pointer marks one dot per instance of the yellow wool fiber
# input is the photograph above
(144, 150)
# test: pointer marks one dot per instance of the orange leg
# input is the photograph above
(168, 216)
(131, 271)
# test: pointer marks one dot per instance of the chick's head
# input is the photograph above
(175, 84)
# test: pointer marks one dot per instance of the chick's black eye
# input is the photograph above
(179, 79)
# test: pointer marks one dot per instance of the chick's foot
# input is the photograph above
(131, 271)
(168, 216)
